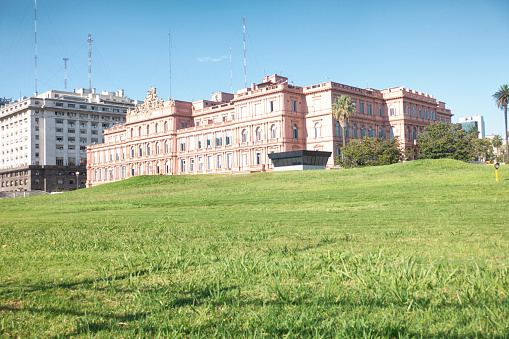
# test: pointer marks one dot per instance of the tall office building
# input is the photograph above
(476, 121)
(43, 139)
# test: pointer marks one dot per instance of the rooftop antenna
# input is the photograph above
(169, 56)
(90, 62)
(231, 73)
(244, 33)
(35, 22)
(65, 74)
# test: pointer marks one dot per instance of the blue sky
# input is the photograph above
(458, 51)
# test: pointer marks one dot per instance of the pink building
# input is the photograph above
(236, 132)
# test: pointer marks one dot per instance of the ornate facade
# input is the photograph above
(234, 133)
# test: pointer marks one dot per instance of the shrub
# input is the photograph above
(369, 152)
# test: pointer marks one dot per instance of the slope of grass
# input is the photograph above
(412, 249)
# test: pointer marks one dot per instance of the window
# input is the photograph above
(209, 162)
(361, 107)
(407, 110)
(258, 158)
(132, 152)
(318, 130)
(184, 124)
(407, 133)
(294, 105)
(391, 132)
(148, 149)
(200, 141)
(219, 161)
(132, 171)
(157, 148)
(371, 132)
(363, 132)
(347, 131)
(258, 134)
(123, 172)
(273, 131)
(379, 111)
(420, 112)
(182, 147)
(228, 140)
(156, 130)
(392, 111)
(148, 129)
(191, 164)
(257, 109)
(71, 131)
(200, 164)
(415, 134)
(244, 135)
(140, 151)
(355, 131)
(166, 147)
(229, 162)
(209, 140)
(370, 109)
(271, 106)
(59, 121)
(182, 165)
(219, 139)
(381, 133)
(191, 143)
(426, 114)
(244, 159)
(295, 131)
(413, 111)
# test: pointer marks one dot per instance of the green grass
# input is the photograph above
(418, 249)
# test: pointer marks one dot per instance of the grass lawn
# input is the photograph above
(417, 249)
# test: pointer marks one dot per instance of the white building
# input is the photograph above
(477, 121)
(52, 131)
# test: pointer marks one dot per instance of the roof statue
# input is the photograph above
(151, 102)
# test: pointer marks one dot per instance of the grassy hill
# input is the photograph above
(412, 249)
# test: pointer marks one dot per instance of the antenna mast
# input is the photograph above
(35, 21)
(169, 46)
(65, 74)
(244, 33)
(90, 62)
(231, 74)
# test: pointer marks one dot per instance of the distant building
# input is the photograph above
(5, 101)
(476, 121)
(43, 139)
(236, 132)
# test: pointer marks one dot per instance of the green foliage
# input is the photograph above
(445, 140)
(502, 99)
(343, 108)
(412, 250)
(482, 148)
(369, 152)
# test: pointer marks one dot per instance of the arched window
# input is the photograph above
(168, 167)
(371, 132)
(132, 132)
(363, 132)
(295, 131)
(156, 128)
(244, 135)
(407, 110)
(157, 148)
(381, 133)
(140, 151)
(132, 171)
(273, 131)
(166, 147)
(318, 130)
(148, 129)
(166, 126)
(347, 131)
(407, 133)
(391, 132)
(413, 111)
(258, 134)
(338, 129)
(148, 149)
(139, 131)
(149, 168)
(354, 131)
(420, 112)
(415, 133)
(158, 168)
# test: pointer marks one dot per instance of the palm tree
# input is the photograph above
(502, 98)
(343, 109)
(497, 142)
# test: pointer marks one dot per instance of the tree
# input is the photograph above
(343, 109)
(482, 148)
(502, 98)
(497, 142)
(369, 152)
(445, 140)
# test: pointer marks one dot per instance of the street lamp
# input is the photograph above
(77, 180)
